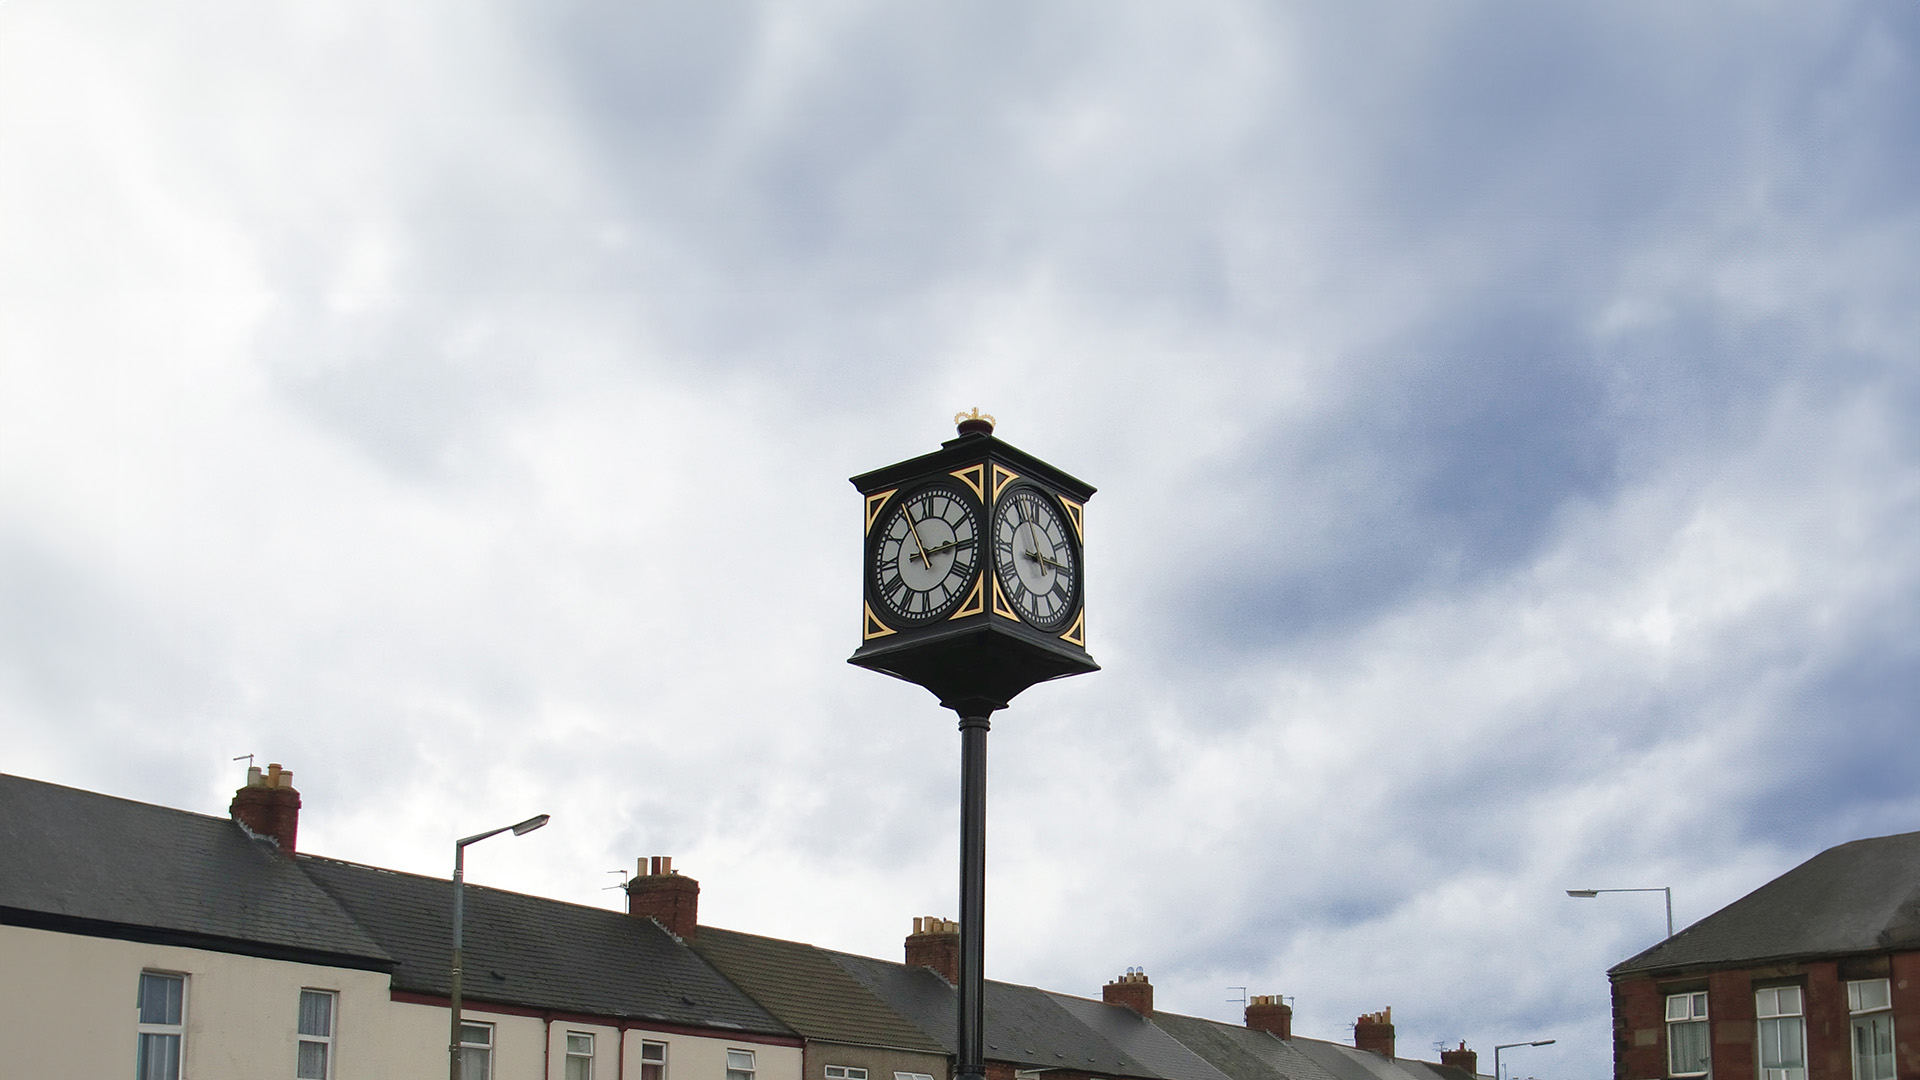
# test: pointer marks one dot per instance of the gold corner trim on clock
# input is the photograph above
(1001, 478)
(1000, 605)
(1076, 513)
(871, 627)
(973, 478)
(875, 503)
(1077, 633)
(975, 602)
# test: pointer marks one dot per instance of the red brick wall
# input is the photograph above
(938, 950)
(1270, 1013)
(269, 811)
(670, 899)
(1374, 1033)
(1730, 1010)
(1906, 1014)
(1135, 992)
(1829, 1025)
(1640, 1031)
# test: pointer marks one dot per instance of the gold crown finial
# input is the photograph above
(975, 421)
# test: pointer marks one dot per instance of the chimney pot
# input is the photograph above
(269, 806)
(935, 945)
(1374, 1032)
(1270, 1013)
(1463, 1059)
(669, 899)
(1132, 990)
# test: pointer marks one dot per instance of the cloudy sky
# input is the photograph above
(1504, 416)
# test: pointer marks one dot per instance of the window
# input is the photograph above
(653, 1061)
(314, 1060)
(579, 1055)
(476, 1051)
(1783, 1042)
(845, 1072)
(912, 1076)
(739, 1065)
(1687, 1034)
(1869, 1001)
(163, 1006)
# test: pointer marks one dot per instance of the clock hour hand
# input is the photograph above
(938, 548)
(1045, 560)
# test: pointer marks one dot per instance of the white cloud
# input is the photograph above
(455, 404)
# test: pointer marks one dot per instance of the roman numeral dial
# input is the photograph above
(924, 553)
(1034, 559)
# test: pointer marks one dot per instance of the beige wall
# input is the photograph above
(67, 1008)
(73, 1014)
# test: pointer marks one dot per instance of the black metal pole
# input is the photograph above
(973, 897)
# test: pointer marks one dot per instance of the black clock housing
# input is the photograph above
(979, 651)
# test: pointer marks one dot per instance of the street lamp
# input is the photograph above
(1509, 1046)
(459, 892)
(1588, 894)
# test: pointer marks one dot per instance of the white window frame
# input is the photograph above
(1781, 1031)
(323, 1040)
(486, 1049)
(1870, 1005)
(653, 1054)
(1691, 1009)
(912, 1076)
(572, 1054)
(739, 1064)
(846, 1072)
(145, 1030)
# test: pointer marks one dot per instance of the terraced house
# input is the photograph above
(182, 945)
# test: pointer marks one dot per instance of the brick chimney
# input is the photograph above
(269, 806)
(1374, 1031)
(935, 943)
(1132, 990)
(1270, 1013)
(660, 893)
(1463, 1059)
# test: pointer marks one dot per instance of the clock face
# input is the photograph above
(1034, 558)
(925, 553)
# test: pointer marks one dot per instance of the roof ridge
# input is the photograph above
(468, 885)
(114, 798)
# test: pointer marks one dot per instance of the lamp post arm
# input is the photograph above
(459, 845)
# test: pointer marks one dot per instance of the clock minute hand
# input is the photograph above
(914, 528)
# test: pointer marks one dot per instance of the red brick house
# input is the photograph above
(1813, 976)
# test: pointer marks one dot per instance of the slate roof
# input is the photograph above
(1245, 1054)
(79, 862)
(1349, 1063)
(808, 991)
(1024, 1025)
(82, 862)
(1140, 1039)
(536, 952)
(1242, 1053)
(1860, 897)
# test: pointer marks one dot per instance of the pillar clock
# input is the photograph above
(974, 578)
(974, 587)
